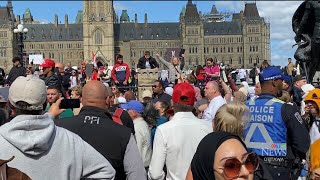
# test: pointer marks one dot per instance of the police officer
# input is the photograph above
(276, 131)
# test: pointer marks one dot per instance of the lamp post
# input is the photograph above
(20, 31)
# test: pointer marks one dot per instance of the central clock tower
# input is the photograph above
(98, 35)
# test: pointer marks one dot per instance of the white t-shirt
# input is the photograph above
(210, 112)
(242, 74)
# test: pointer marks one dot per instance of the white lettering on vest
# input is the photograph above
(261, 118)
(91, 119)
(262, 109)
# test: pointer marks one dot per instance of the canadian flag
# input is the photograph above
(94, 59)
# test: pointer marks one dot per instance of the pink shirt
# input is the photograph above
(212, 70)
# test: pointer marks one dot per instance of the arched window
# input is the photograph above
(52, 55)
(98, 36)
(239, 62)
(257, 60)
(49, 55)
(230, 61)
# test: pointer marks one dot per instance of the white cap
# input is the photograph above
(31, 90)
(146, 93)
(122, 100)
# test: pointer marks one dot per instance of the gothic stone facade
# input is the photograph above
(243, 41)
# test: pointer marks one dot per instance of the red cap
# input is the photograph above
(183, 93)
(48, 63)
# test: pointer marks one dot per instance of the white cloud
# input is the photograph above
(279, 15)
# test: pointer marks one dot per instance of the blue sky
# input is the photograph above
(278, 13)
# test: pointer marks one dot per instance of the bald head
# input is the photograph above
(214, 85)
(129, 95)
(94, 93)
(212, 90)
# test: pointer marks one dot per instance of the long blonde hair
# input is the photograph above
(231, 118)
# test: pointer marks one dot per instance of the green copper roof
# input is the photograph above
(79, 18)
(124, 17)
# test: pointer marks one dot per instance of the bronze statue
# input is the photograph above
(306, 25)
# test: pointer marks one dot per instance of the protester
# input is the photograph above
(212, 92)
(242, 74)
(65, 81)
(296, 91)
(158, 93)
(174, 68)
(129, 96)
(257, 89)
(212, 70)
(192, 80)
(147, 62)
(115, 142)
(16, 71)
(76, 93)
(312, 102)
(146, 96)
(34, 140)
(199, 73)
(142, 132)
(74, 79)
(231, 118)
(162, 108)
(222, 155)
(68, 70)
(120, 72)
(290, 67)
(176, 141)
(273, 121)
(49, 76)
(53, 95)
(106, 78)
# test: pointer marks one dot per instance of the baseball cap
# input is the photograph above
(146, 93)
(48, 63)
(271, 73)
(183, 93)
(31, 90)
(133, 105)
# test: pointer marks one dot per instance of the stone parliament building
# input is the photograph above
(241, 41)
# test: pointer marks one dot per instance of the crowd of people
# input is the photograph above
(199, 126)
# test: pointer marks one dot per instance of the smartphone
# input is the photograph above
(69, 103)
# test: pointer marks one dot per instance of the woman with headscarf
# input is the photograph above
(221, 155)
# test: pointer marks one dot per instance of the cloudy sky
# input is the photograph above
(278, 13)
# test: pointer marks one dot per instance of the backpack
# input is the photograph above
(116, 116)
(252, 73)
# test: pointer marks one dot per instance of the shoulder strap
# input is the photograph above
(116, 116)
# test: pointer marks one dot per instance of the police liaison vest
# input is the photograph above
(266, 132)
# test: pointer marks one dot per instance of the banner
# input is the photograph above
(36, 58)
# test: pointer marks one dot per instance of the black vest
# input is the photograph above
(97, 128)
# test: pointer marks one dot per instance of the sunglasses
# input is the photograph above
(232, 166)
